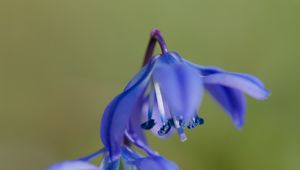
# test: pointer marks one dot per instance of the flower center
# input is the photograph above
(156, 105)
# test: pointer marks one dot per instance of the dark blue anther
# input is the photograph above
(148, 124)
(195, 122)
(199, 121)
(182, 124)
(164, 129)
(171, 122)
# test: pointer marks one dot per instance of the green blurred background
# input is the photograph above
(62, 61)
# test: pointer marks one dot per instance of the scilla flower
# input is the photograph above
(168, 92)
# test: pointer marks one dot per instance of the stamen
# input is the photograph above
(196, 121)
(164, 129)
(160, 102)
(148, 124)
(180, 129)
(182, 124)
(182, 135)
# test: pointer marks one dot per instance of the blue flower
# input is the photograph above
(164, 97)
(172, 88)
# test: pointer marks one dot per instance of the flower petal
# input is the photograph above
(73, 165)
(117, 114)
(181, 87)
(243, 82)
(116, 119)
(233, 102)
(209, 70)
(134, 129)
(157, 163)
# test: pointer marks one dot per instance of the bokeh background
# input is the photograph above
(62, 61)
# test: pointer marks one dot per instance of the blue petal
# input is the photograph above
(116, 119)
(231, 98)
(73, 165)
(155, 163)
(242, 82)
(117, 114)
(246, 83)
(233, 102)
(135, 130)
(181, 86)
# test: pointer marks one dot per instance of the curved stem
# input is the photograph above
(93, 155)
(155, 36)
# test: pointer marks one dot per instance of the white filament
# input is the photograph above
(160, 102)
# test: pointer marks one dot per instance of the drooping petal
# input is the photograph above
(233, 102)
(231, 99)
(134, 129)
(243, 82)
(117, 114)
(246, 83)
(116, 119)
(73, 165)
(157, 163)
(181, 86)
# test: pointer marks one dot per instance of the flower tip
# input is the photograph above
(239, 126)
(239, 123)
(155, 31)
(265, 95)
(268, 93)
(183, 139)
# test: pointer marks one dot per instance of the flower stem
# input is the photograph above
(93, 155)
(155, 36)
